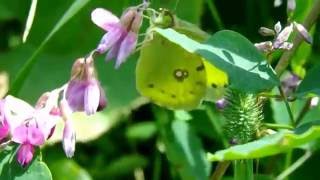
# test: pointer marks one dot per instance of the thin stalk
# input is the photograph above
(288, 159)
(287, 106)
(156, 173)
(308, 23)
(216, 125)
(243, 169)
(303, 112)
(278, 126)
(220, 170)
(215, 15)
(294, 166)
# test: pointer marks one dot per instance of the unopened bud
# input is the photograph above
(291, 5)
(266, 31)
(314, 102)
(303, 32)
(264, 46)
(283, 36)
(277, 27)
(277, 3)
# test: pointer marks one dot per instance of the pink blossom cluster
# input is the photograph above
(30, 127)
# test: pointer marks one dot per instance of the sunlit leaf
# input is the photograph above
(270, 145)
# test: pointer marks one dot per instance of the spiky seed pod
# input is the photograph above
(243, 113)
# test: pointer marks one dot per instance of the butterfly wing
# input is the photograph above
(169, 75)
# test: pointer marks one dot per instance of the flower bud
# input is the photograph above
(277, 27)
(283, 36)
(266, 31)
(303, 32)
(291, 5)
(264, 46)
(84, 92)
(69, 139)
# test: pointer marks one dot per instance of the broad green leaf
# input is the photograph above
(270, 145)
(66, 169)
(183, 148)
(10, 169)
(141, 131)
(232, 53)
(311, 83)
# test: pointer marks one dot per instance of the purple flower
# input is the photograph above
(28, 135)
(29, 126)
(84, 92)
(69, 134)
(121, 37)
(221, 103)
(69, 139)
(290, 84)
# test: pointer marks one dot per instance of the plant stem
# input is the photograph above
(303, 112)
(215, 15)
(216, 125)
(308, 22)
(243, 169)
(288, 159)
(220, 170)
(278, 126)
(287, 106)
(294, 166)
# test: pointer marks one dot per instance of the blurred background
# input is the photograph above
(123, 141)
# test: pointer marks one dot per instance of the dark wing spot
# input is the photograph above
(173, 96)
(214, 85)
(162, 91)
(150, 85)
(178, 74)
(200, 83)
(200, 68)
(225, 86)
(191, 92)
(185, 73)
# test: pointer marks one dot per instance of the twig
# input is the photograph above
(220, 170)
(278, 126)
(287, 106)
(308, 22)
(294, 166)
(303, 112)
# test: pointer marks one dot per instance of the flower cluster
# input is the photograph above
(30, 127)
(281, 37)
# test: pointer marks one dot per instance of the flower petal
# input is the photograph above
(4, 126)
(303, 32)
(69, 139)
(92, 98)
(110, 39)
(127, 46)
(25, 154)
(103, 18)
(20, 134)
(75, 93)
(35, 136)
(283, 36)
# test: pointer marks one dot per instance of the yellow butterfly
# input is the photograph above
(172, 77)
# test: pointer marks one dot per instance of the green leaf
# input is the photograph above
(232, 53)
(25, 70)
(183, 147)
(10, 169)
(66, 169)
(311, 83)
(125, 164)
(142, 131)
(270, 145)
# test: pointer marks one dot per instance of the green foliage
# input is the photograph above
(183, 148)
(235, 55)
(279, 142)
(310, 84)
(10, 169)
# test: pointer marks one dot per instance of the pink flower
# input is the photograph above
(84, 92)
(28, 135)
(30, 126)
(121, 37)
